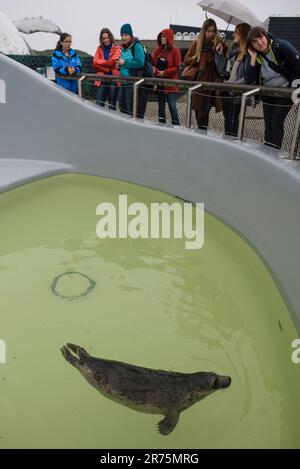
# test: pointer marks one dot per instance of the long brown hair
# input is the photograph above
(109, 33)
(62, 37)
(209, 23)
(243, 30)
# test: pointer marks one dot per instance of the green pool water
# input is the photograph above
(152, 303)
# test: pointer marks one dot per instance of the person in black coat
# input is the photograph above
(273, 62)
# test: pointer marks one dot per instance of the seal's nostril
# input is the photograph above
(228, 381)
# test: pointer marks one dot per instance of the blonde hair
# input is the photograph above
(201, 38)
(243, 30)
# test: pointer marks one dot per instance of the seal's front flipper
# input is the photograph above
(167, 425)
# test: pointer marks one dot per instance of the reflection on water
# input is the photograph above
(155, 305)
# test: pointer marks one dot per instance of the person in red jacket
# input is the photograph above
(105, 63)
(167, 62)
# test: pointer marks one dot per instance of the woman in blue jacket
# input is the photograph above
(130, 64)
(66, 61)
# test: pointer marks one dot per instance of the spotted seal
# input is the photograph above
(145, 390)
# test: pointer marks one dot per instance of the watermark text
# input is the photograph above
(2, 92)
(296, 352)
(161, 221)
(2, 352)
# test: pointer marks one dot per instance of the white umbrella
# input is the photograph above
(232, 12)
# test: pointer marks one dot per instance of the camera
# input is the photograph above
(225, 76)
(162, 64)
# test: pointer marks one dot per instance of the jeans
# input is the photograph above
(275, 113)
(125, 99)
(169, 98)
(107, 90)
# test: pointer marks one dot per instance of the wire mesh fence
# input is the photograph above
(259, 111)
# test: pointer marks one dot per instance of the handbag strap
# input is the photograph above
(274, 66)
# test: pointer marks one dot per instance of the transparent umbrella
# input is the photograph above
(232, 12)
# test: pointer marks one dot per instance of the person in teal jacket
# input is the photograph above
(130, 64)
(66, 61)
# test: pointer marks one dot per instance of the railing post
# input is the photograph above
(189, 105)
(135, 96)
(243, 111)
(80, 85)
(295, 136)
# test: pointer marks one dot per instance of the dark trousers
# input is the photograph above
(231, 112)
(169, 98)
(275, 113)
(202, 121)
(142, 102)
(107, 91)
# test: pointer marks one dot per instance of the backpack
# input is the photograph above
(147, 70)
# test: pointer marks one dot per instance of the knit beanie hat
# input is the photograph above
(126, 29)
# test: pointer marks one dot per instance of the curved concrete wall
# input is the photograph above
(249, 188)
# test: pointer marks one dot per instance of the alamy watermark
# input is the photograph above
(296, 93)
(2, 352)
(296, 353)
(138, 221)
(2, 92)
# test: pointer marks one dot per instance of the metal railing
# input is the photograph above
(135, 96)
(243, 111)
(189, 104)
(186, 90)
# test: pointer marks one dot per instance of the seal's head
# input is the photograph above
(208, 382)
(75, 355)
(82, 360)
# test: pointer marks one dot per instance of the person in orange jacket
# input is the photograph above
(167, 62)
(105, 63)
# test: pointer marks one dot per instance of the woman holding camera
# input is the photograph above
(200, 66)
(232, 70)
(130, 63)
(167, 60)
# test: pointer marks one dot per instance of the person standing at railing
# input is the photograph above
(105, 63)
(273, 62)
(131, 61)
(200, 66)
(231, 68)
(66, 61)
(167, 61)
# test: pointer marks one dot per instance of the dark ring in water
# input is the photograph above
(91, 286)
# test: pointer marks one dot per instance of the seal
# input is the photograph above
(143, 389)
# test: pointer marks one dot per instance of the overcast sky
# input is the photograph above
(84, 19)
